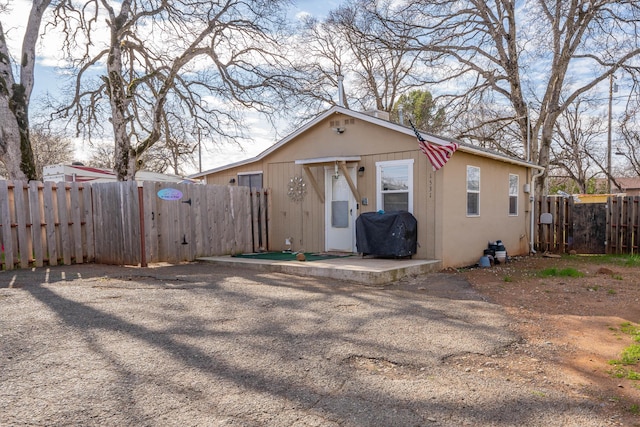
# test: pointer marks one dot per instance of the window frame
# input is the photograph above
(250, 174)
(516, 195)
(473, 191)
(380, 192)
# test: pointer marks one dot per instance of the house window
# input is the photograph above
(395, 185)
(251, 180)
(473, 191)
(513, 194)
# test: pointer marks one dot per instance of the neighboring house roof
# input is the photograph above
(628, 183)
(377, 121)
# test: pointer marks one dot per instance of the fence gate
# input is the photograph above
(590, 228)
(588, 231)
(116, 210)
(186, 221)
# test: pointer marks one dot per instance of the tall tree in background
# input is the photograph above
(629, 147)
(419, 106)
(202, 62)
(354, 41)
(506, 54)
(49, 147)
(101, 155)
(15, 94)
(577, 151)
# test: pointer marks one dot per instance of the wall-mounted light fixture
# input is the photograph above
(336, 173)
(361, 171)
(232, 181)
(339, 130)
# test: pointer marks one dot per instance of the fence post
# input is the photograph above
(5, 224)
(22, 215)
(634, 225)
(39, 247)
(607, 241)
(143, 253)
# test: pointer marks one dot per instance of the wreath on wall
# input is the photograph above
(297, 188)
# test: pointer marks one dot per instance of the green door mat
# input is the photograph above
(289, 256)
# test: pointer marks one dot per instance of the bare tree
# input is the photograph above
(203, 62)
(101, 155)
(49, 147)
(506, 54)
(629, 147)
(15, 94)
(577, 150)
(174, 156)
(354, 41)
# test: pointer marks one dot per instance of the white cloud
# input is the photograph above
(14, 21)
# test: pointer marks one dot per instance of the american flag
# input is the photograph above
(437, 154)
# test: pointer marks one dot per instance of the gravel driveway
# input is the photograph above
(198, 345)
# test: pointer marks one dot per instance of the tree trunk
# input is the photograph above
(116, 88)
(15, 147)
(544, 153)
(10, 153)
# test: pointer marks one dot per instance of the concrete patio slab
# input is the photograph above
(370, 270)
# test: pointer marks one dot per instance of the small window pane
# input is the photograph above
(473, 205)
(473, 178)
(513, 194)
(513, 205)
(340, 214)
(250, 180)
(395, 202)
(513, 185)
(395, 178)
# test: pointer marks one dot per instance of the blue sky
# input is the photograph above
(314, 7)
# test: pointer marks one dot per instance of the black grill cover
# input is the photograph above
(392, 234)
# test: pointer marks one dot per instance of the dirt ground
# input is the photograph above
(570, 326)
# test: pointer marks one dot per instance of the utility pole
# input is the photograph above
(199, 151)
(612, 88)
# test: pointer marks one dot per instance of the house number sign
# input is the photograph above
(170, 194)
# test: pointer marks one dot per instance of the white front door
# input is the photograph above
(340, 211)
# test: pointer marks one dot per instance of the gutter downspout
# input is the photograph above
(533, 209)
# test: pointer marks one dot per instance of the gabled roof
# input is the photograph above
(374, 120)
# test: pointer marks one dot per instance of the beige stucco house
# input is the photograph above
(344, 163)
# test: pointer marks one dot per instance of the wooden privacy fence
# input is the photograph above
(48, 223)
(122, 223)
(623, 224)
(612, 227)
(553, 237)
